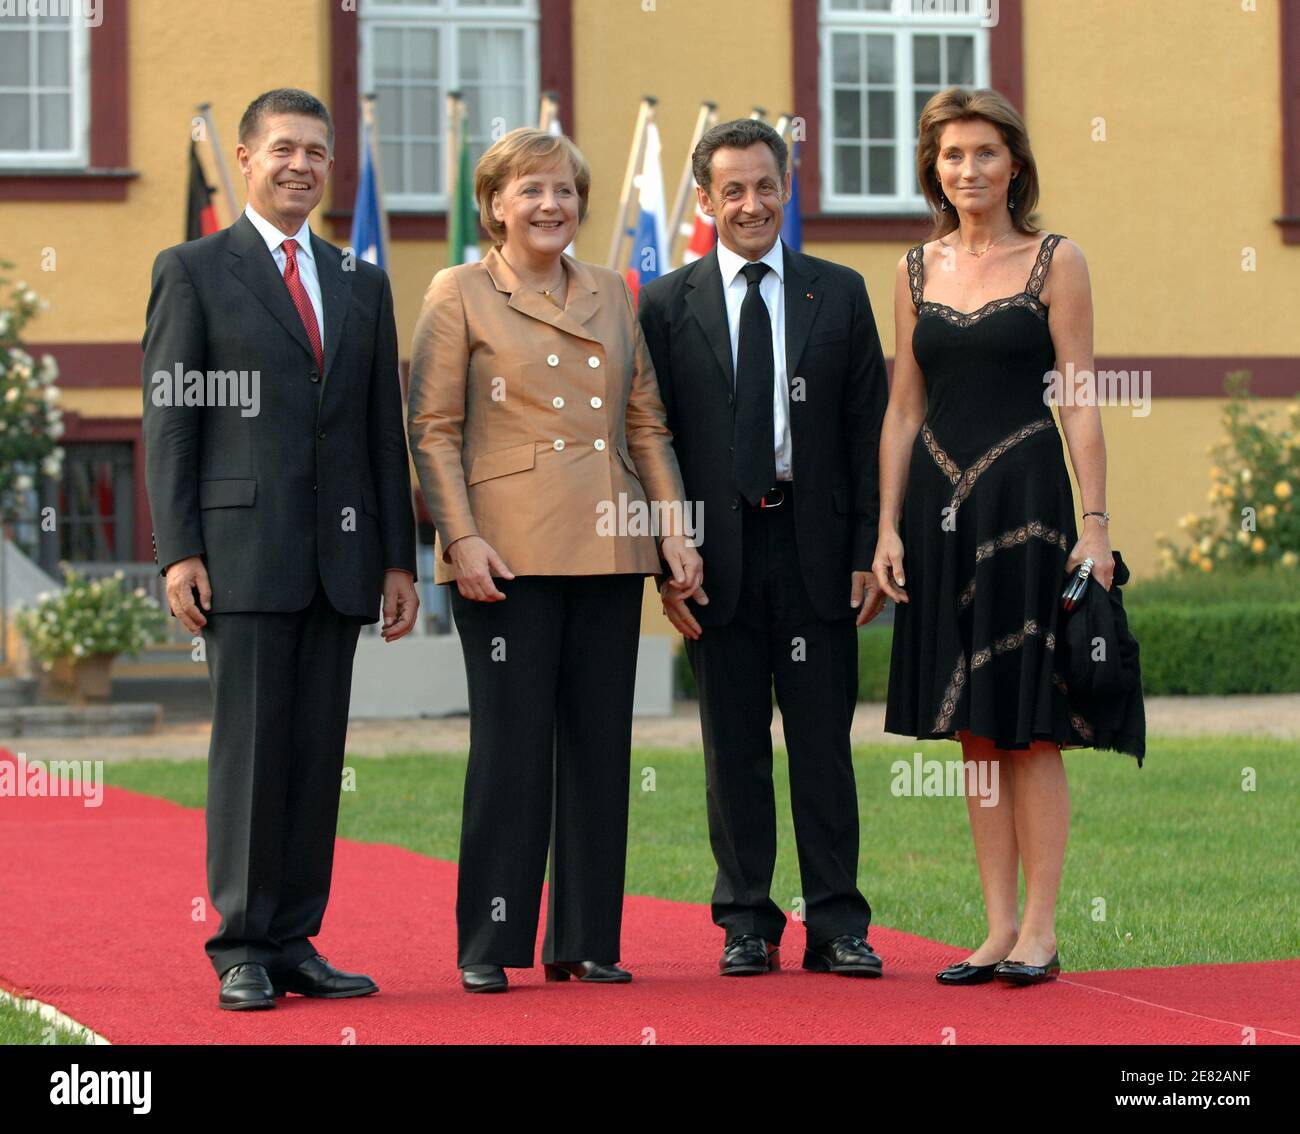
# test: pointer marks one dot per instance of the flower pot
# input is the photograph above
(81, 679)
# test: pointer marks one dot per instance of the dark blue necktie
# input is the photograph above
(754, 455)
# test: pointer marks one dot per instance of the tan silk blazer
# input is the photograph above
(537, 428)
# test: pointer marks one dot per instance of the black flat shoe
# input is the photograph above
(748, 954)
(1017, 972)
(847, 955)
(317, 977)
(594, 971)
(246, 986)
(966, 973)
(483, 978)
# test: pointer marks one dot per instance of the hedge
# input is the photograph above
(1195, 639)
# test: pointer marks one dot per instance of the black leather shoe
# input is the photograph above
(483, 978)
(966, 973)
(246, 986)
(316, 977)
(747, 954)
(1017, 972)
(594, 971)
(847, 955)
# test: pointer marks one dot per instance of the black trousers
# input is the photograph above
(280, 689)
(777, 638)
(551, 672)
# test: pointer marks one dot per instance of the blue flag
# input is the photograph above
(791, 228)
(367, 232)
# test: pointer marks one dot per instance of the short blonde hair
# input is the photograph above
(525, 150)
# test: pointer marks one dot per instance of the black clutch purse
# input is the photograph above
(1078, 584)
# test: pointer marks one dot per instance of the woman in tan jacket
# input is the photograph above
(540, 442)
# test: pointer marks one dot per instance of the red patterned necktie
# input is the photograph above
(302, 301)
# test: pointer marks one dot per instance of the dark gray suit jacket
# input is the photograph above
(316, 482)
(831, 344)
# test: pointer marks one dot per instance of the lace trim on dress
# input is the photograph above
(1014, 538)
(1081, 726)
(975, 471)
(946, 464)
(1028, 298)
(951, 696)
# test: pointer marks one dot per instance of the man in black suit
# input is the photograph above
(771, 371)
(277, 473)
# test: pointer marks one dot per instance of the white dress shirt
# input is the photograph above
(306, 260)
(772, 290)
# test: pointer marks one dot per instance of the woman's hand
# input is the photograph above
(1094, 544)
(476, 562)
(887, 567)
(685, 564)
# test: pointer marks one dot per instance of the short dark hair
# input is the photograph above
(284, 100)
(740, 134)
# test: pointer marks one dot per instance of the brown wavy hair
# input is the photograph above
(957, 104)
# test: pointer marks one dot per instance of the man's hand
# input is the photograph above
(184, 577)
(685, 563)
(476, 562)
(867, 598)
(679, 614)
(401, 604)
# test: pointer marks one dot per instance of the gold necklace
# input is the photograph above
(985, 249)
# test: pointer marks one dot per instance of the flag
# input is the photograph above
(462, 218)
(649, 245)
(367, 225)
(791, 226)
(200, 216)
(703, 236)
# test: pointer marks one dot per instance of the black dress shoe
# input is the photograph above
(316, 977)
(595, 971)
(847, 955)
(246, 986)
(747, 954)
(966, 973)
(483, 978)
(1017, 972)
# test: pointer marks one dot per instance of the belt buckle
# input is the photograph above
(763, 501)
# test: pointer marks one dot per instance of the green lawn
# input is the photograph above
(21, 1025)
(1190, 867)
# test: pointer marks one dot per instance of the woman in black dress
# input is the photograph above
(976, 507)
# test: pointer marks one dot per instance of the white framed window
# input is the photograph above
(881, 61)
(44, 90)
(413, 52)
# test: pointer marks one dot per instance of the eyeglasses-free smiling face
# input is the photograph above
(975, 165)
(539, 210)
(286, 167)
(746, 198)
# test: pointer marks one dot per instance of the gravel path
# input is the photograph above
(1276, 716)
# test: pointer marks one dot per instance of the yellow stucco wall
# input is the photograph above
(1188, 177)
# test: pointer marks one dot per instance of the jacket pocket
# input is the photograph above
(502, 462)
(227, 493)
(626, 458)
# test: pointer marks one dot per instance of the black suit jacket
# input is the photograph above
(831, 344)
(317, 481)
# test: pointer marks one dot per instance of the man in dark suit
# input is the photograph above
(771, 371)
(277, 473)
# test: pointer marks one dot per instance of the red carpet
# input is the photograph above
(95, 918)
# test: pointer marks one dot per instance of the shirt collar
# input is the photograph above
(729, 263)
(274, 237)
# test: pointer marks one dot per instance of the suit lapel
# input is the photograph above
(802, 301)
(707, 304)
(336, 293)
(253, 265)
(583, 300)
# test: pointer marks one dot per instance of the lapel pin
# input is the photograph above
(809, 295)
